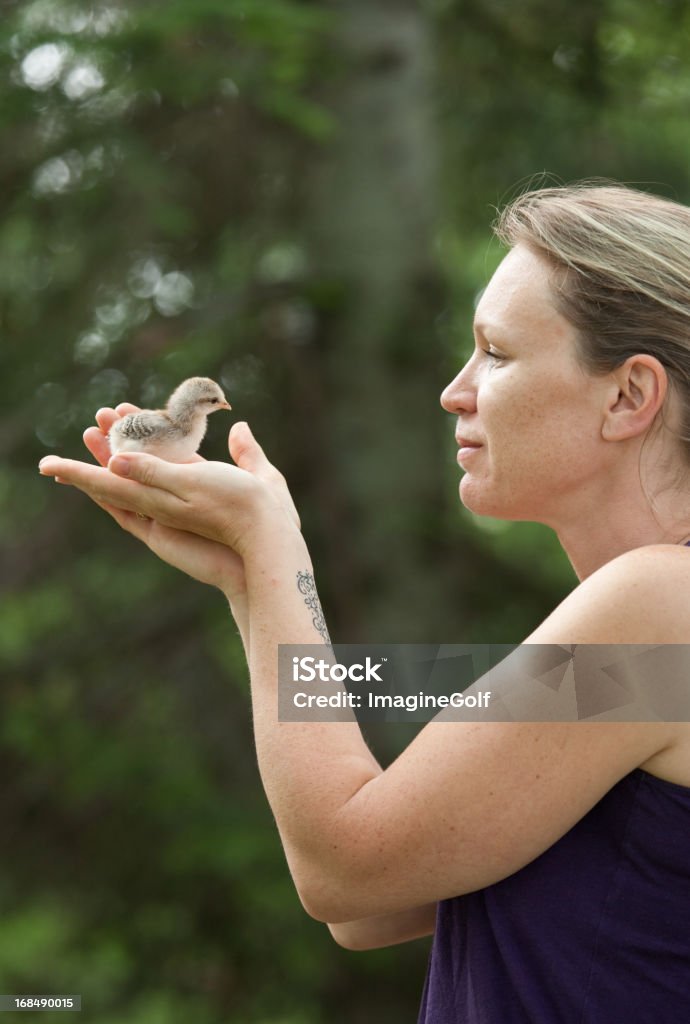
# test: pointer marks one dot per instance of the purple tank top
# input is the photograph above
(596, 930)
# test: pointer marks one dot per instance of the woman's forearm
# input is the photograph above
(386, 929)
(239, 608)
(309, 769)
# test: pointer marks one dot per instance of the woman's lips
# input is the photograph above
(467, 450)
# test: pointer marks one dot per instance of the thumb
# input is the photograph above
(146, 469)
(245, 450)
(248, 454)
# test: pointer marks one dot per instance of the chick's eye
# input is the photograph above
(213, 401)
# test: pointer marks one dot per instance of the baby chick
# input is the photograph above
(173, 433)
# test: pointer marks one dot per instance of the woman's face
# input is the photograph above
(529, 416)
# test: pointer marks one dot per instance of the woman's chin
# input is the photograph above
(473, 496)
(479, 500)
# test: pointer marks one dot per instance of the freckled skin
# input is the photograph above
(536, 411)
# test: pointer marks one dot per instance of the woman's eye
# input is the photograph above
(492, 355)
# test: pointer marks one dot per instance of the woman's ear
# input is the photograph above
(637, 392)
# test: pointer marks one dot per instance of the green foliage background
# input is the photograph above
(294, 198)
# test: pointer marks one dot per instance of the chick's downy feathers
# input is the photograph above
(173, 433)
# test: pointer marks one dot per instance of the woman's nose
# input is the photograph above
(460, 395)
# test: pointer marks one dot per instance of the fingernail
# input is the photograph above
(119, 466)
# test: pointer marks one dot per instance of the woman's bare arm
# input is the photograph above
(386, 929)
(467, 803)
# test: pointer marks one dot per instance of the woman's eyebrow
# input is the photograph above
(481, 327)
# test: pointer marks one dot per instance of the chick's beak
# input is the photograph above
(224, 405)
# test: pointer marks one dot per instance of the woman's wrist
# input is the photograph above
(273, 533)
(274, 538)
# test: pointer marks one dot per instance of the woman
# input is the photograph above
(553, 859)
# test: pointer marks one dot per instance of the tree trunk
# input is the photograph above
(373, 221)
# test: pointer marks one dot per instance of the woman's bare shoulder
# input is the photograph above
(642, 596)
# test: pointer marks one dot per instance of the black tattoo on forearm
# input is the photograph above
(307, 586)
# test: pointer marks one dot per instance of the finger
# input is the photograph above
(107, 487)
(98, 445)
(246, 452)
(106, 416)
(129, 521)
(150, 471)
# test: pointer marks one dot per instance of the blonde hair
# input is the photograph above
(625, 282)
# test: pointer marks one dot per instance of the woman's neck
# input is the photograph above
(589, 545)
(635, 503)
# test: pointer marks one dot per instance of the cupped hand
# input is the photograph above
(192, 515)
(204, 560)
